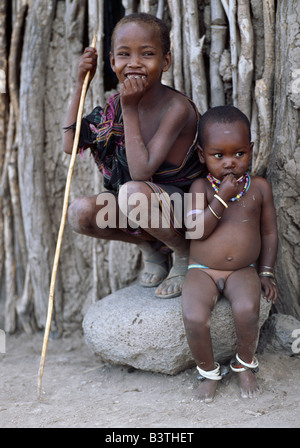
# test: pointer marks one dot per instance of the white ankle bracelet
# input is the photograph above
(252, 365)
(211, 374)
(237, 365)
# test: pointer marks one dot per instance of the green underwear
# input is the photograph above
(202, 266)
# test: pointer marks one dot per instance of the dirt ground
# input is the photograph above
(79, 391)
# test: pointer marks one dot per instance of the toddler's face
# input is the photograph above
(227, 149)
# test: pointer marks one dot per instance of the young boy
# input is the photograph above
(144, 142)
(239, 230)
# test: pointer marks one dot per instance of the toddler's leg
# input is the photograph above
(199, 297)
(243, 290)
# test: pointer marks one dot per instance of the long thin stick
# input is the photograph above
(62, 225)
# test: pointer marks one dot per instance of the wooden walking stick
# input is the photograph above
(62, 225)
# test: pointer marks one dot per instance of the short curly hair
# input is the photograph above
(222, 114)
(149, 19)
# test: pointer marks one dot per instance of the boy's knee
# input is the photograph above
(79, 215)
(133, 194)
(132, 188)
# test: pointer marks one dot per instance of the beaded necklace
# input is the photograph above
(215, 182)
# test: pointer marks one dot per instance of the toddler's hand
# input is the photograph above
(270, 289)
(228, 187)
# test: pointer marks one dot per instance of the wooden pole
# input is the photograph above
(62, 226)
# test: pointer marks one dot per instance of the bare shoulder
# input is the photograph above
(178, 104)
(263, 185)
(199, 185)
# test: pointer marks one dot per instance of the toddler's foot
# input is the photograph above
(206, 391)
(248, 384)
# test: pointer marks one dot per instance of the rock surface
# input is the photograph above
(284, 333)
(132, 327)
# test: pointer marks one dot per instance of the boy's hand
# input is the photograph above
(228, 187)
(132, 90)
(270, 289)
(87, 62)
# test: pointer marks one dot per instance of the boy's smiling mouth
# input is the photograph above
(135, 75)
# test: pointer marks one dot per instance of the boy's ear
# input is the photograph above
(167, 61)
(201, 154)
(112, 61)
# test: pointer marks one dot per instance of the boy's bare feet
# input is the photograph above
(248, 384)
(156, 268)
(156, 265)
(172, 285)
(154, 272)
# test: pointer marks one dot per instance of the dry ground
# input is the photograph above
(79, 391)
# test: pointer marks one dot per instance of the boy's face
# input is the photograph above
(138, 52)
(227, 149)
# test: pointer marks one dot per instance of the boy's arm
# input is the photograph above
(269, 242)
(144, 159)
(87, 62)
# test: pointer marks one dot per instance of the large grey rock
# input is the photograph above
(132, 327)
(283, 333)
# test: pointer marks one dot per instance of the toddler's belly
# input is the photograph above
(230, 253)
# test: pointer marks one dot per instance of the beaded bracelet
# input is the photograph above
(213, 212)
(221, 200)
